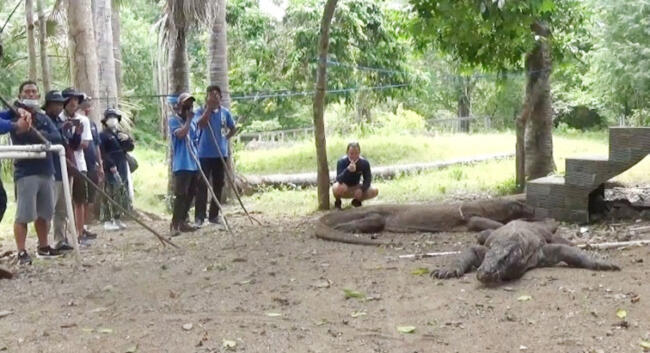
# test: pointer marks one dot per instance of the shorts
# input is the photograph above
(35, 195)
(79, 188)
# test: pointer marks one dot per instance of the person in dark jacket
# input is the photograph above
(349, 171)
(34, 178)
(71, 140)
(114, 146)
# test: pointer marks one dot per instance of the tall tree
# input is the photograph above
(218, 53)
(83, 54)
(42, 40)
(31, 42)
(102, 15)
(496, 35)
(116, 26)
(323, 174)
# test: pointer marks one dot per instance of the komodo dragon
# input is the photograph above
(443, 217)
(509, 251)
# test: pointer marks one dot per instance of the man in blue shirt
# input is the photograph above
(215, 124)
(184, 167)
(349, 170)
(34, 178)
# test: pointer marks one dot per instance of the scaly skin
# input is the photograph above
(509, 251)
(433, 218)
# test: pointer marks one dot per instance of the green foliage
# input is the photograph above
(620, 70)
(492, 34)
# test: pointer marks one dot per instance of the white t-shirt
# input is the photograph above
(86, 135)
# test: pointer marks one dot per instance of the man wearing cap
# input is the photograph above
(215, 127)
(114, 145)
(184, 167)
(34, 178)
(79, 185)
(53, 107)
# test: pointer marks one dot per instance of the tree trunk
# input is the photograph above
(179, 72)
(537, 113)
(31, 42)
(83, 55)
(319, 107)
(218, 54)
(117, 45)
(464, 109)
(102, 14)
(218, 72)
(42, 34)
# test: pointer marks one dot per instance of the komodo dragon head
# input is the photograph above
(508, 258)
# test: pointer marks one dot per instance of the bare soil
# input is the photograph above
(276, 288)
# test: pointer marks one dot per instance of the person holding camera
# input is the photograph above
(349, 170)
(80, 186)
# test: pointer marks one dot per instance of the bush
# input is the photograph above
(402, 121)
(581, 117)
(264, 125)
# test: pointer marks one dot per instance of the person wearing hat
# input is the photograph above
(80, 124)
(53, 107)
(114, 146)
(184, 168)
(34, 178)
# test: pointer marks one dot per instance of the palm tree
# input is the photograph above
(102, 14)
(83, 55)
(31, 42)
(42, 32)
(218, 53)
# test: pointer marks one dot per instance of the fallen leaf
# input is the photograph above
(645, 345)
(273, 314)
(88, 330)
(621, 313)
(131, 349)
(524, 298)
(98, 310)
(70, 325)
(188, 326)
(105, 330)
(349, 293)
(420, 271)
(227, 344)
(635, 299)
(358, 313)
(406, 329)
(5, 313)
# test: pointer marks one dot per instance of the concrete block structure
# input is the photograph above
(567, 197)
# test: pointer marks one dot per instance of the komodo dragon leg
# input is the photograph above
(465, 262)
(574, 257)
(476, 223)
(372, 223)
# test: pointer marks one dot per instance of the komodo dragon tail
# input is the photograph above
(325, 232)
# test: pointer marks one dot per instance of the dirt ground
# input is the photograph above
(276, 288)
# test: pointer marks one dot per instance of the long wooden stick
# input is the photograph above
(207, 182)
(229, 176)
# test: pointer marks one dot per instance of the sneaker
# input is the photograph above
(24, 258)
(216, 222)
(64, 246)
(337, 204)
(110, 226)
(90, 235)
(173, 230)
(186, 227)
(356, 203)
(84, 243)
(47, 252)
(120, 224)
(198, 223)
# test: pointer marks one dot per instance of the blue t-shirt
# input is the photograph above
(181, 157)
(221, 122)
